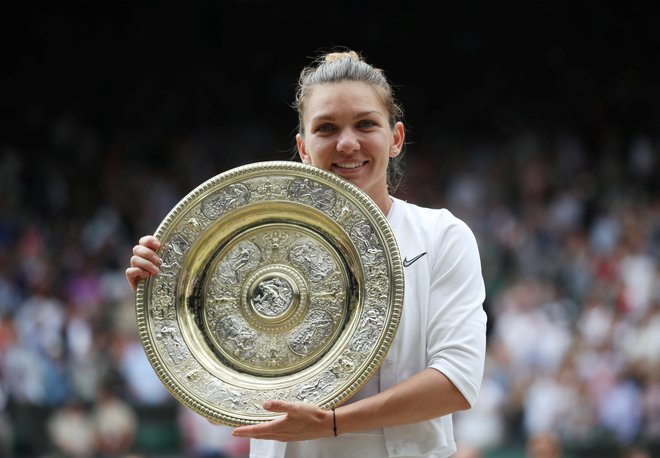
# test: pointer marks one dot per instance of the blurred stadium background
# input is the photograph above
(537, 123)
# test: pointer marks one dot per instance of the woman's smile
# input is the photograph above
(349, 165)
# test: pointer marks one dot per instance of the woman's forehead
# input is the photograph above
(353, 95)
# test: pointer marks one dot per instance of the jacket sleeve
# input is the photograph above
(456, 344)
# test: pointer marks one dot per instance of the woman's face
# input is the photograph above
(347, 132)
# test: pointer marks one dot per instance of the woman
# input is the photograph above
(349, 124)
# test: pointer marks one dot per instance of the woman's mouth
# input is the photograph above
(348, 165)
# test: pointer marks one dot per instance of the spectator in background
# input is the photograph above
(71, 431)
(114, 423)
(543, 445)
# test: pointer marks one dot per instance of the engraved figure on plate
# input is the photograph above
(245, 255)
(317, 262)
(309, 392)
(234, 334)
(312, 193)
(363, 232)
(312, 334)
(169, 336)
(272, 297)
(230, 197)
(172, 254)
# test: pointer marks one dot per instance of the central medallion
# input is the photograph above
(274, 299)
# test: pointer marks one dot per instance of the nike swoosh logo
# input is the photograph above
(407, 262)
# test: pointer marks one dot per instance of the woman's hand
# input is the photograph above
(427, 394)
(300, 422)
(144, 261)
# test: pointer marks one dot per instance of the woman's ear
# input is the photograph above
(302, 151)
(398, 136)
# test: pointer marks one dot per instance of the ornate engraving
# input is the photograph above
(233, 399)
(313, 333)
(276, 310)
(193, 226)
(236, 335)
(343, 367)
(275, 239)
(172, 254)
(312, 193)
(194, 376)
(163, 299)
(271, 189)
(312, 258)
(170, 338)
(367, 241)
(243, 257)
(273, 296)
(371, 321)
(320, 387)
(228, 198)
(342, 211)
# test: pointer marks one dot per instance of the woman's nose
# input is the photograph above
(347, 142)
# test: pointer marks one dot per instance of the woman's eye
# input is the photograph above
(325, 128)
(366, 123)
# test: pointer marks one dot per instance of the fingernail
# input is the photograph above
(267, 404)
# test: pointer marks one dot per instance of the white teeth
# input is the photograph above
(349, 165)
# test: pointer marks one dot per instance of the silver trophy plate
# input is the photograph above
(279, 280)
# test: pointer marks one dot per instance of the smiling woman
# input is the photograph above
(350, 125)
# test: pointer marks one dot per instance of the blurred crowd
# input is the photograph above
(569, 233)
(570, 239)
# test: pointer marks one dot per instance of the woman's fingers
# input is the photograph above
(145, 261)
(134, 275)
(150, 242)
(278, 406)
(145, 258)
